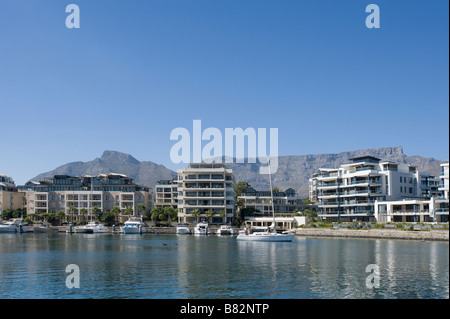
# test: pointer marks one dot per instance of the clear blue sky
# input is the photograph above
(135, 70)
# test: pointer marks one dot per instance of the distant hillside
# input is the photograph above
(144, 173)
(293, 171)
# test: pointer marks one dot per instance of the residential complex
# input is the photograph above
(285, 203)
(10, 197)
(75, 195)
(166, 193)
(206, 187)
(365, 189)
(350, 192)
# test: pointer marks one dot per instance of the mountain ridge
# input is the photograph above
(293, 170)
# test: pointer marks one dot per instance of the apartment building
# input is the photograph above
(203, 187)
(442, 201)
(10, 196)
(166, 193)
(284, 202)
(103, 191)
(349, 192)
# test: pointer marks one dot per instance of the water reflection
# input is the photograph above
(170, 266)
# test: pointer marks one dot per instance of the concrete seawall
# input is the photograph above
(440, 235)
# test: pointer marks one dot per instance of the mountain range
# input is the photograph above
(293, 171)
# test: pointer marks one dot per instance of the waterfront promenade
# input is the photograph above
(440, 235)
(435, 235)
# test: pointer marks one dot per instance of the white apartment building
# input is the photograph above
(284, 202)
(104, 191)
(166, 193)
(349, 192)
(442, 202)
(204, 187)
(411, 210)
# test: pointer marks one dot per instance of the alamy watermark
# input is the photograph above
(373, 280)
(73, 279)
(189, 147)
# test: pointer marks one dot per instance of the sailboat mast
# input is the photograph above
(271, 196)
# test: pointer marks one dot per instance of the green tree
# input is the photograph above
(128, 210)
(170, 213)
(108, 217)
(60, 215)
(306, 201)
(141, 209)
(157, 214)
(195, 213)
(241, 188)
(71, 210)
(209, 214)
(115, 211)
(83, 213)
(223, 214)
(96, 211)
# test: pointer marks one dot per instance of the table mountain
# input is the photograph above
(293, 171)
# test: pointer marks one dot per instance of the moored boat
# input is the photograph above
(15, 226)
(225, 230)
(45, 228)
(133, 226)
(201, 228)
(183, 229)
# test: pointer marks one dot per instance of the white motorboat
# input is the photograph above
(201, 228)
(183, 229)
(133, 226)
(45, 228)
(225, 230)
(15, 226)
(270, 234)
(92, 228)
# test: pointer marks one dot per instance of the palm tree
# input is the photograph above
(128, 210)
(71, 210)
(195, 213)
(141, 208)
(170, 213)
(223, 213)
(60, 215)
(209, 214)
(96, 211)
(116, 212)
(83, 212)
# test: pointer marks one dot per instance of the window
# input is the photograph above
(401, 189)
(410, 190)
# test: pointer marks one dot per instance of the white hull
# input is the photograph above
(132, 230)
(183, 231)
(15, 227)
(201, 229)
(225, 231)
(271, 237)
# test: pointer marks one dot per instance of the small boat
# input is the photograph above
(183, 229)
(45, 228)
(92, 228)
(225, 230)
(133, 226)
(270, 234)
(201, 228)
(15, 226)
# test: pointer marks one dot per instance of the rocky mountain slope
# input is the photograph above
(293, 171)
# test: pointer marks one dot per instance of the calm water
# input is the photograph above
(170, 266)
